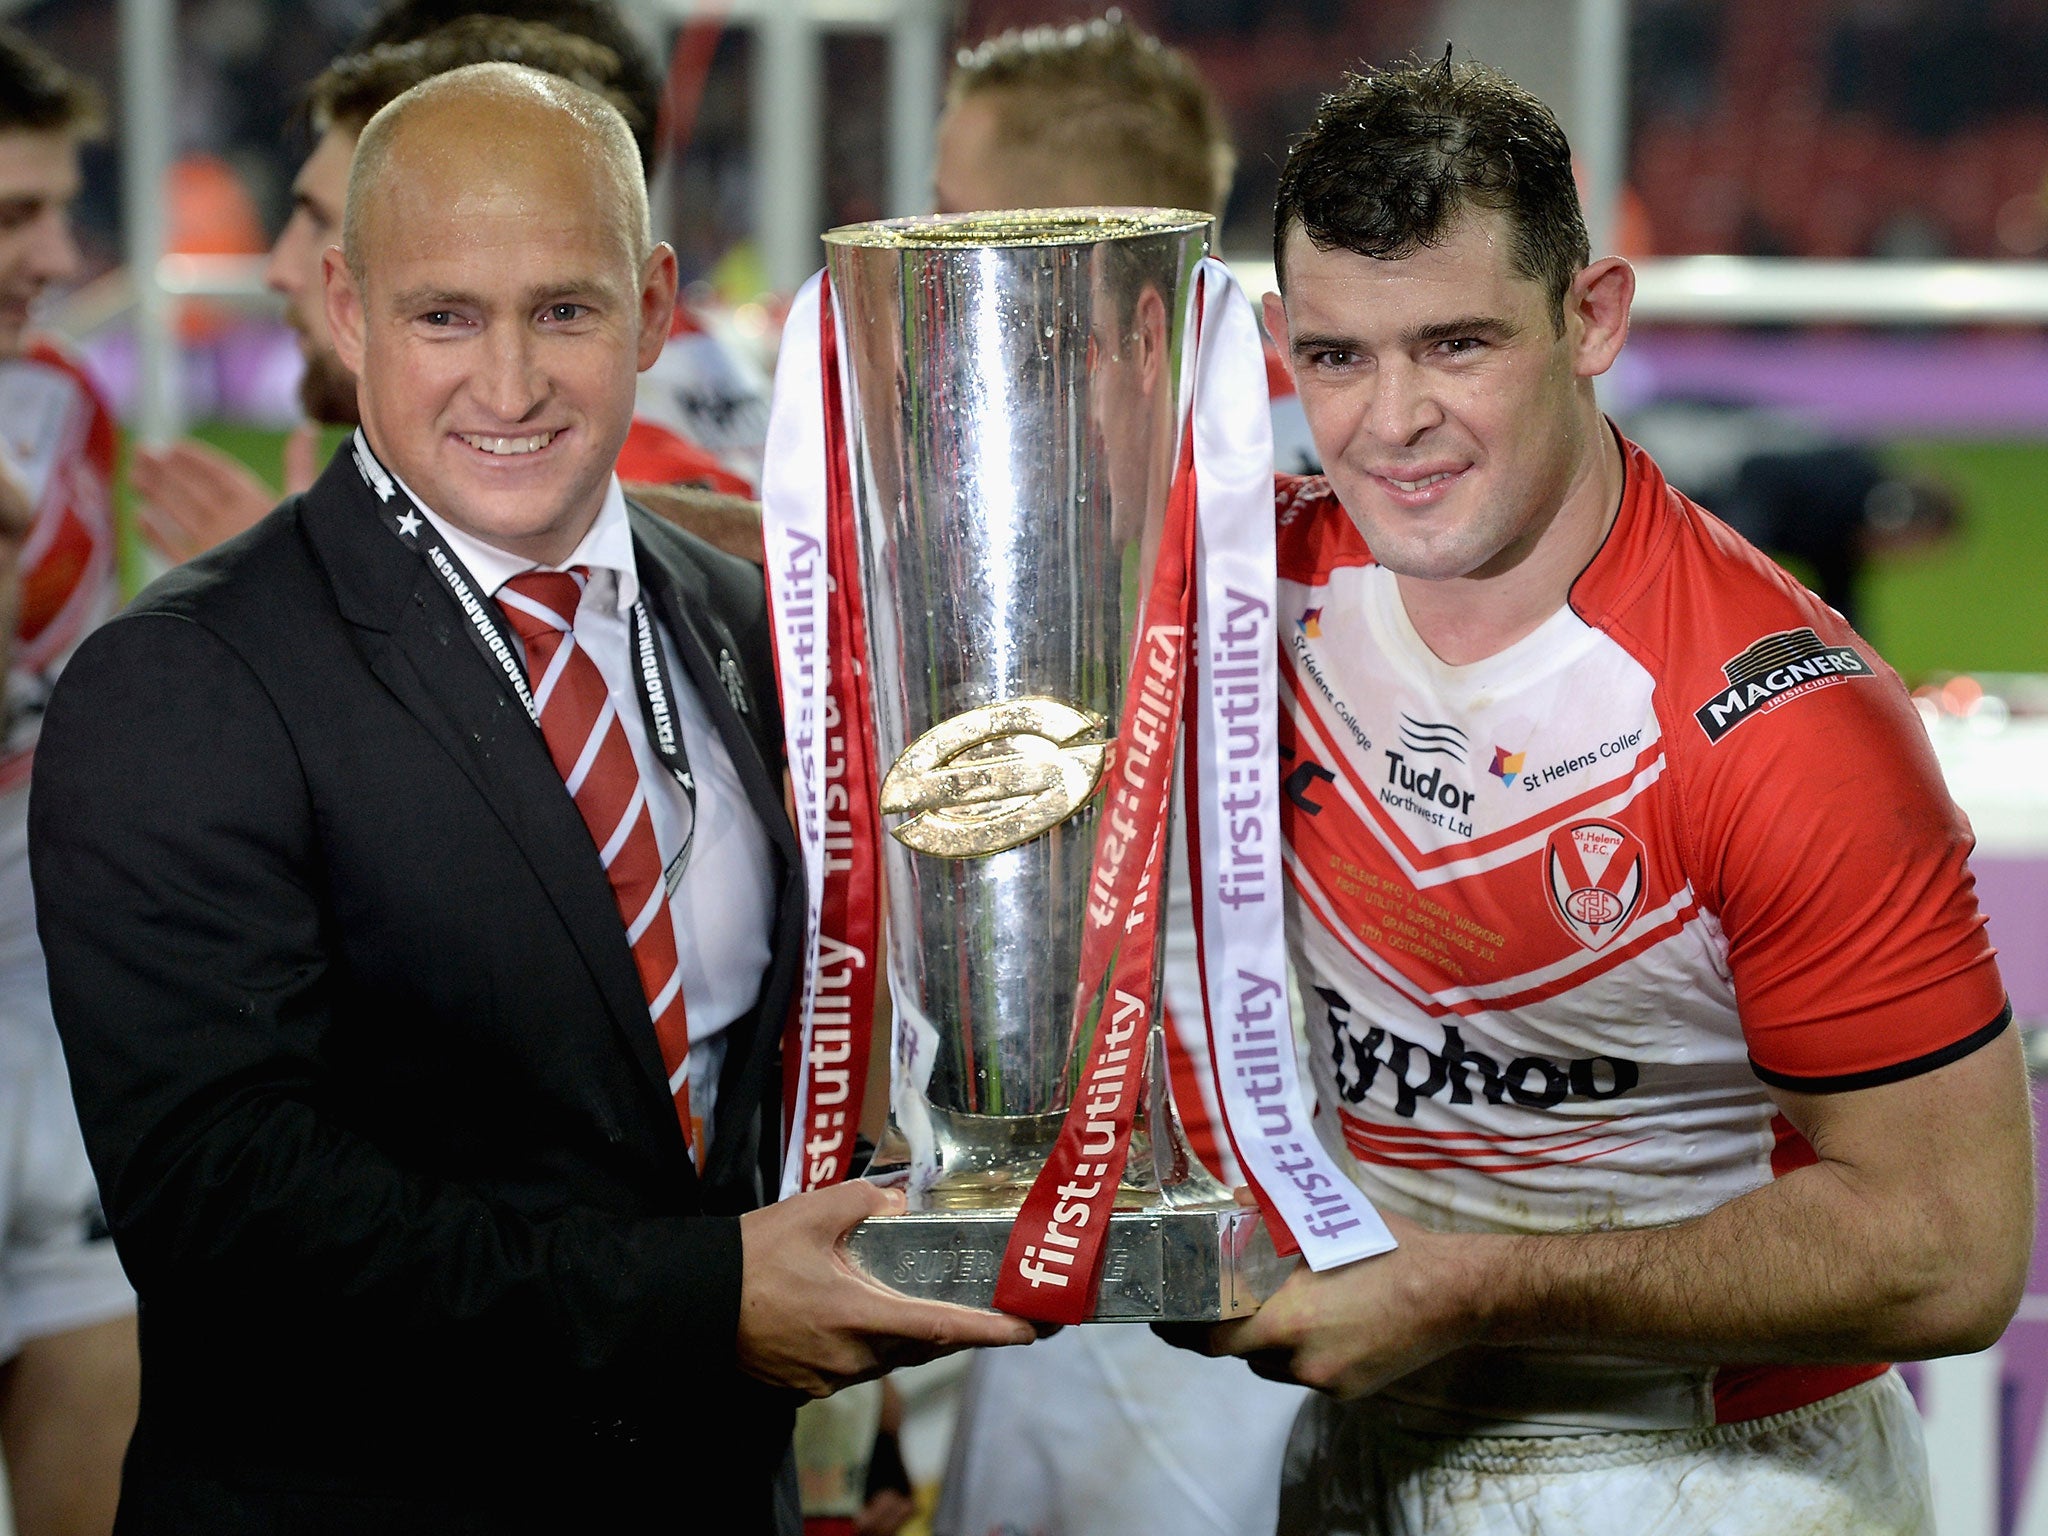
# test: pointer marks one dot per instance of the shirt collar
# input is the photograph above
(606, 546)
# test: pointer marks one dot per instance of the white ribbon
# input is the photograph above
(1237, 789)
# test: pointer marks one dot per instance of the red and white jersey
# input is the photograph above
(57, 438)
(700, 394)
(1559, 915)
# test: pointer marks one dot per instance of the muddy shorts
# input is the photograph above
(1849, 1463)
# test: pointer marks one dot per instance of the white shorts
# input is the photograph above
(1853, 1462)
(58, 1270)
(1108, 1430)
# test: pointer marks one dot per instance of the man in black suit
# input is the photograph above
(441, 1204)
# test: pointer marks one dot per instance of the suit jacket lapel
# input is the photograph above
(416, 640)
(710, 655)
(682, 602)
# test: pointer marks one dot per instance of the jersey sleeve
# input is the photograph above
(1312, 531)
(654, 455)
(1826, 843)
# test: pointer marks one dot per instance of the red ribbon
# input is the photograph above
(1052, 1268)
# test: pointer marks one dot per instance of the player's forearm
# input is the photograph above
(1825, 1264)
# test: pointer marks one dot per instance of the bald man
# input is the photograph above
(421, 916)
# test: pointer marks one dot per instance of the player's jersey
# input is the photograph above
(705, 393)
(1559, 915)
(655, 455)
(57, 437)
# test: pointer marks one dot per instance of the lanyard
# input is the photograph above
(657, 693)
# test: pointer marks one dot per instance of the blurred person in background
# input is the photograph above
(1092, 114)
(1650, 1000)
(1832, 507)
(194, 495)
(1095, 114)
(67, 1326)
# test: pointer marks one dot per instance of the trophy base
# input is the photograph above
(1198, 1263)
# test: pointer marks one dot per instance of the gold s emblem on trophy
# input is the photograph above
(994, 777)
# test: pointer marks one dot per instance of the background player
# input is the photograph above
(67, 1327)
(1648, 991)
(1089, 114)
(1101, 113)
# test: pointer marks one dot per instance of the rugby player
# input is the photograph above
(67, 1317)
(1647, 990)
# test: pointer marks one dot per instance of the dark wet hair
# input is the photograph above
(1396, 158)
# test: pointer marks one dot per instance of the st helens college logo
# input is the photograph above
(1595, 873)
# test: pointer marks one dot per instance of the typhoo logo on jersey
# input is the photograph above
(1414, 1072)
(1775, 670)
(1595, 873)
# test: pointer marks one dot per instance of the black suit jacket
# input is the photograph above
(364, 1064)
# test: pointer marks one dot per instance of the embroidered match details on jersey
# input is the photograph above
(1559, 914)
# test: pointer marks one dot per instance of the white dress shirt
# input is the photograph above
(724, 907)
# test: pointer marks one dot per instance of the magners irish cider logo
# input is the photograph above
(1775, 669)
(993, 777)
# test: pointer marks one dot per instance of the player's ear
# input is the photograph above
(657, 303)
(1596, 310)
(344, 298)
(1273, 309)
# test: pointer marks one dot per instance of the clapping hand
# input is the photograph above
(194, 496)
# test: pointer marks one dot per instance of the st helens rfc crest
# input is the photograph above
(1595, 872)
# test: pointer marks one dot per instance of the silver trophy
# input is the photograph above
(1014, 380)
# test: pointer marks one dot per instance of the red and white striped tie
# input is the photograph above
(589, 746)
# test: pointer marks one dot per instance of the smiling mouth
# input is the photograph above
(509, 447)
(1422, 484)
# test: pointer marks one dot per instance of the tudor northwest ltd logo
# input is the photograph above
(1777, 668)
(1595, 873)
(996, 776)
(1438, 737)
